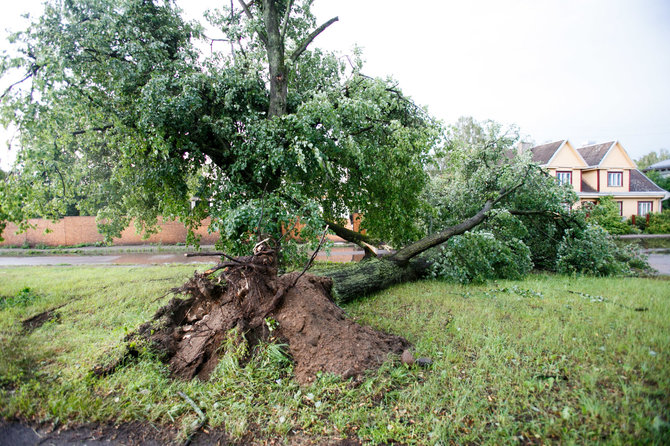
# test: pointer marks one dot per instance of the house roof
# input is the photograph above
(543, 153)
(594, 154)
(640, 183)
(665, 164)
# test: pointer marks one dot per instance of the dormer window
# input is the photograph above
(564, 177)
(615, 179)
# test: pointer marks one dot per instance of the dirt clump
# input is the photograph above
(35, 322)
(249, 296)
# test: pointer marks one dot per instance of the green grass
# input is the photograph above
(547, 360)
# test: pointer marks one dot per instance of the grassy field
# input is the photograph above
(547, 360)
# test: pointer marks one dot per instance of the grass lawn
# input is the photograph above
(550, 359)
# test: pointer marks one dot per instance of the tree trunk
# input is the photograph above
(275, 50)
(361, 279)
(367, 277)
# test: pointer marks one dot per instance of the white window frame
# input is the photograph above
(564, 177)
(615, 175)
(644, 208)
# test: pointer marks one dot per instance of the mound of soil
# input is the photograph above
(189, 332)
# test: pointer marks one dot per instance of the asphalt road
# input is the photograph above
(336, 254)
(660, 262)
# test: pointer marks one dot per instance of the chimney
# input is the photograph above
(522, 146)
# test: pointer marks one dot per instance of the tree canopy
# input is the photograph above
(118, 111)
(120, 114)
(652, 158)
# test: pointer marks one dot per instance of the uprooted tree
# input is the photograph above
(117, 111)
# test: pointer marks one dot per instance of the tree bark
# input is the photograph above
(275, 50)
(369, 276)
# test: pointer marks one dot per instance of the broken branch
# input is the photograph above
(311, 259)
(305, 43)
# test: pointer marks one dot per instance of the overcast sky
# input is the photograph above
(585, 70)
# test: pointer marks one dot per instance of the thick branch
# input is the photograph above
(287, 13)
(31, 73)
(416, 248)
(247, 11)
(433, 240)
(94, 129)
(359, 239)
(305, 43)
(275, 51)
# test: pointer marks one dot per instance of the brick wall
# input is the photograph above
(77, 230)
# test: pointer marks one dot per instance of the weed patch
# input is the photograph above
(22, 298)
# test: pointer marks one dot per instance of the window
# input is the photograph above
(564, 177)
(644, 208)
(615, 179)
(620, 203)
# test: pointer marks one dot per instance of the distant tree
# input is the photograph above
(662, 182)
(652, 158)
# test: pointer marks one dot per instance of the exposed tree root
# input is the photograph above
(248, 293)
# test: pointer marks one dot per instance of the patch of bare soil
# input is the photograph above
(14, 433)
(34, 322)
(131, 433)
(246, 296)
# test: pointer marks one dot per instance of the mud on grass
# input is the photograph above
(516, 362)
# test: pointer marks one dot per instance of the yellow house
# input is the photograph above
(601, 170)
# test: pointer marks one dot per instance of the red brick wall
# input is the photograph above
(77, 230)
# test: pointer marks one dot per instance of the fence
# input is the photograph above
(71, 231)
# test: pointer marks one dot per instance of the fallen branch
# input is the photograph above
(603, 299)
(311, 259)
(198, 424)
(205, 254)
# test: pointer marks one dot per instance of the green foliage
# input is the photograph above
(606, 215)
(592, 251)
(652, 158)
(493, 251)
(480, 162)
(122, 117)
(659, 223)
(476, 257)
(24, 297)
(471, 168)
(662, 182)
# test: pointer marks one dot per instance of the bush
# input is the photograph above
(592, 251)
(476, 257)
(606, 214)
(658, 223)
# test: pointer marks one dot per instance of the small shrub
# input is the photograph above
(476, 257)
(23, 298)
(592, 251)
(640, 223)
(659, 223)
(606, 214)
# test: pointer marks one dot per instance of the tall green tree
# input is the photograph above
(116, 97)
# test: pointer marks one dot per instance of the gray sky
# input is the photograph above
(586, 70)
